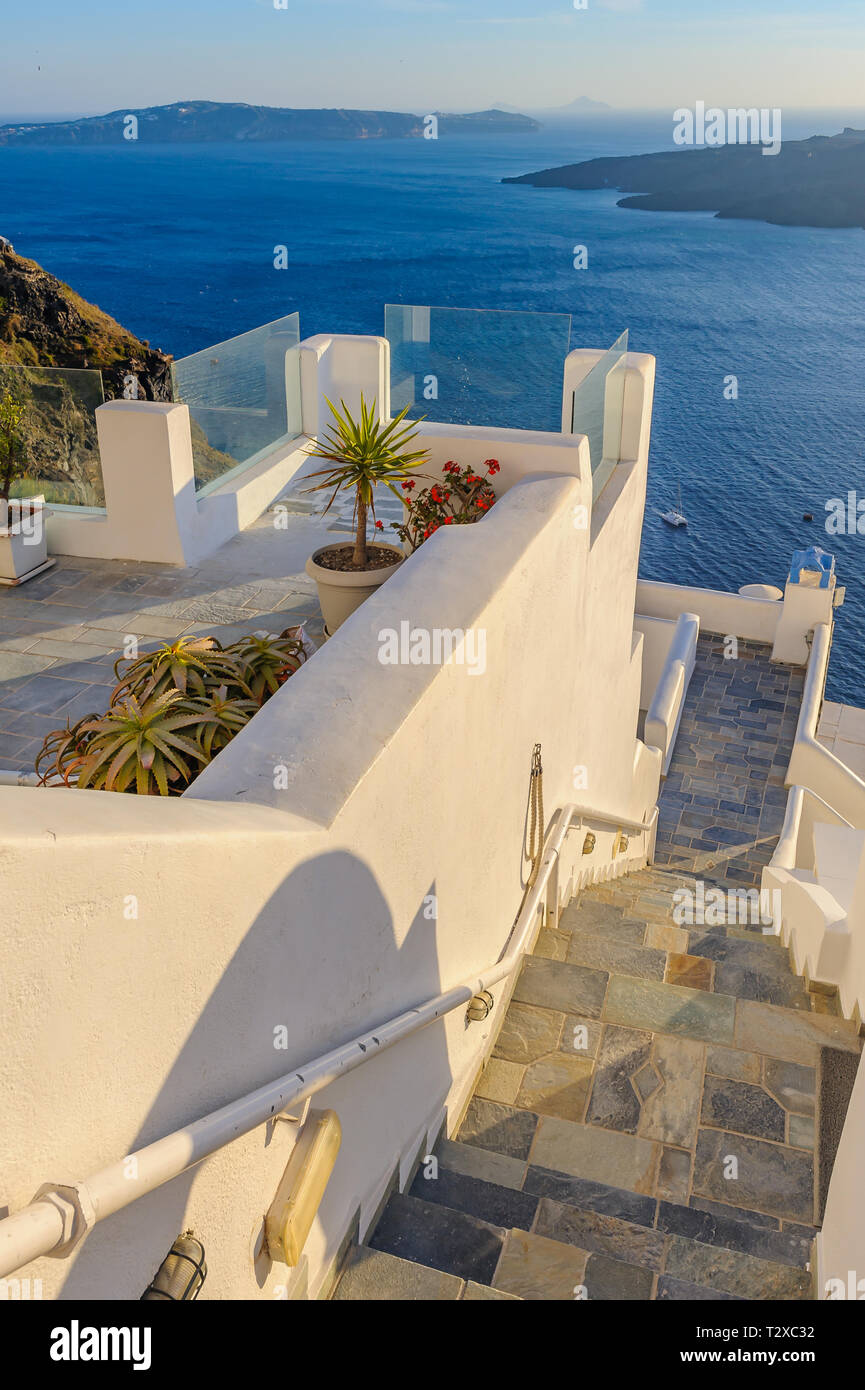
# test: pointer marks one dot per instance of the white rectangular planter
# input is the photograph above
(23, 540)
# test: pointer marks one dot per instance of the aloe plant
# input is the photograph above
(62, 752)
(266, 662)
(136, 746)
(191, 665)
(363, 454)
(226, 718)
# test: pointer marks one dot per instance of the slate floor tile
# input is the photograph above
(595, 1196)
(440, 1237)
(793, 1086)
(528, 1033)
(608, 1235)
(736, 1232)
(695, 972)
(788, 1035)
(566, 988)
(768, 1177)
(670, 1289)
(672, 1009)
(616, 957)
(733, 1272)
(742, 1108)
(615, 1102)
(602, 1155)
(499, 1206)
(535, 1268)
(671, 1112)
(674, 1174)
(557, 1084)
(484, 1164)
(611, 1280)
(501, 1128)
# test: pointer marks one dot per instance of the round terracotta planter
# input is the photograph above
(340, 592)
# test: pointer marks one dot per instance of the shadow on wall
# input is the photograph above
(289, 950)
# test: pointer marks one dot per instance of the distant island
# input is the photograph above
(819, 182)
(196, 122)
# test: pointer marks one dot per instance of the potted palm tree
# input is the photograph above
(23, 542)
(361, 455)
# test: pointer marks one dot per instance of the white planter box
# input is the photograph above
(23, 539)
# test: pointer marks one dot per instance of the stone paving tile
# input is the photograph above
(801, 1132)
(694, 972)
(611, 1280)
(482, 1293)
(375, 1276)
(740, 1107)
(500, 1080)
(670, 1112)
(793, 1086)
(557, 1084)
(615, 1102)
(737, 1231)
(482, 1164)
(735, 1066)
(438, 1236)
(602, 1155)
(533, 1267)
(528, 1033)
(595, 1231)
(615, 957)
(789, 1035)
(771, 1177)
(580, 1035)
(499, 1206)
(594, 1196)
(490, 1125)
(569, 988)
(670, 1289)
(674, 1174)
(730, 1271)
(663, 1008)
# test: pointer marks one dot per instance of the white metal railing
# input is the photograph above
(60, 1215)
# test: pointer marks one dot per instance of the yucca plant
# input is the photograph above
(266, 662)
(362, 454)
(62, 752)
(191, 665)
(138, 747)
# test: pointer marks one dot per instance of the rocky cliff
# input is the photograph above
(44, 323)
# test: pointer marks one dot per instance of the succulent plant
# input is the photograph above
(136, 745)
(193, 685)
(61, 752)
(227, 718)
(192, 665)
(266, 662)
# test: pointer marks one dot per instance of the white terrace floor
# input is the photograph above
(61, 633)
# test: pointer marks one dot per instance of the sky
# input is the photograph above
(85, 57)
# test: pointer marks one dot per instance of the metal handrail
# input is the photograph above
(60, 1215)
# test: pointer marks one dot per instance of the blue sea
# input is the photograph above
(177, 242)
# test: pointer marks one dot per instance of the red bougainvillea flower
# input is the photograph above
(493, 466)
(379, 525)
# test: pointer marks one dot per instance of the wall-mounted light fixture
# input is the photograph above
(183, 1271)
(302, 1186)
(588, 842)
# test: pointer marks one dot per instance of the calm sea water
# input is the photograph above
(177, 243)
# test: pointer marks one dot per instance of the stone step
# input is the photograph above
(441, 1237)
(562, 1233)
(374, 1276)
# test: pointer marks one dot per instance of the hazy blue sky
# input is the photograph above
(89, 56)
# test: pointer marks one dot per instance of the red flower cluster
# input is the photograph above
(466, 498)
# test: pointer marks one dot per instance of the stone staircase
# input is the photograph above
(644, 1129)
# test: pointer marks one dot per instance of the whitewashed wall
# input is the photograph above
(306, 907)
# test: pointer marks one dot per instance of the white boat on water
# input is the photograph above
(675, 516)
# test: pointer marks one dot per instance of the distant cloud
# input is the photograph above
(625, 5)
